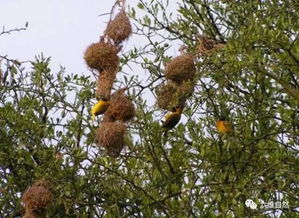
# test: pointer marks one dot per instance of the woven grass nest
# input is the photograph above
(180, 68)
(119, 28)
(110, 135)
(208, 46)
(102, 56)
(171, 94)
(105, 84)
(121, 107)
(37, 197)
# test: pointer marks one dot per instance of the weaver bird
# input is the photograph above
(100, 107)
(223, 126)
(172, 118)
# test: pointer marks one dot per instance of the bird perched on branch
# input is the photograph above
(100, 107)
(172, 118)
(223, 125)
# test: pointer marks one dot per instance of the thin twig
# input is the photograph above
(13, 30)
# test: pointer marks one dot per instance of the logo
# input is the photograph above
(268, 205)
(251, 204)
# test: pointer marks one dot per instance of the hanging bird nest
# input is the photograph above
(119, 28)
(105, 84)
(38, 196)
(166, 96)
(110, 135)
(185, 89)
(180, 68)
(102, 56)
(121, 107)
(107, 118)
(207, 46)
(171, 94)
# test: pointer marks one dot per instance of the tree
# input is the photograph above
(246, 56)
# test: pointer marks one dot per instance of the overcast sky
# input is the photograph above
(61, 29)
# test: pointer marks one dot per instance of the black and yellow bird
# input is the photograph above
(100, 107)
(223, 125)
(172, 118)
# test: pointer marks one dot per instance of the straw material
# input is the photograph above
(208, 46)
(105, 84)
(102, 56)
(119, 28)
(121, 107)
(171, 95)
(38, 196)
(110, 135)
(166, 96)
(180, 68)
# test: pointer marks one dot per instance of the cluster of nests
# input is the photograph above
(102, 56)
(37, 198)
(180, 74)
(112, 130)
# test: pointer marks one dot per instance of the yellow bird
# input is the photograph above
(223, 126)
(172, 118)
(100, 107)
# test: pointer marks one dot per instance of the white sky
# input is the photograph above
(61, 29)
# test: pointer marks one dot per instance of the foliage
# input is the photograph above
(194, 171)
